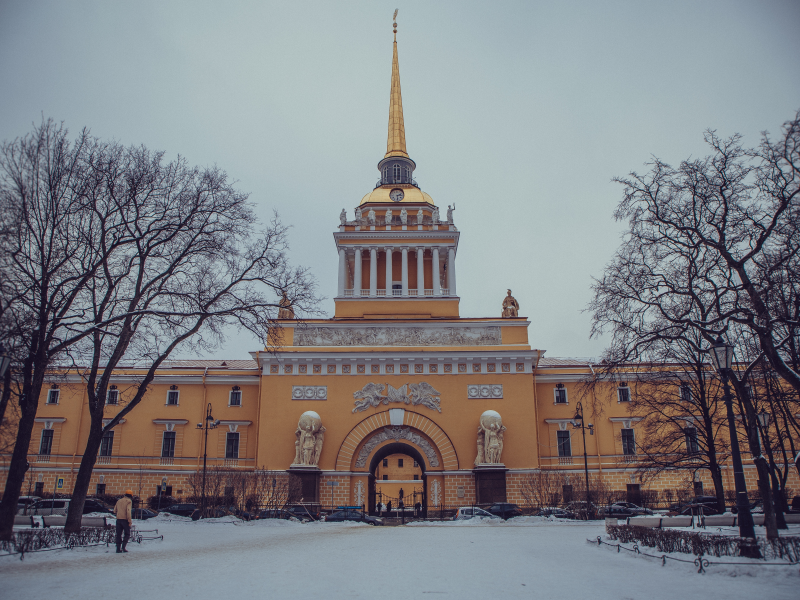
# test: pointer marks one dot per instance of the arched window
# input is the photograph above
(406, 175)
(385, 174)
(397, 173)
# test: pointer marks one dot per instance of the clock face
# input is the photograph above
(396, 194)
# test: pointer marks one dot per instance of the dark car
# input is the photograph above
(143, 513)
(182, 510)
(277, 513)
(238, 512)
(557, 513)
(795, 506)
(90, 505)
(304, 512)
(505, 510)
(623, 509)
(582, 509)
(353, 515)
(706, 505)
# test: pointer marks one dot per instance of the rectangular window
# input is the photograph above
(167, 491)
(564, 446)
(692, 447)
(386, 478)
(235, 398)
(101, 489)
(52, 396)
(46, 445)
(399, 462)
(38, 489)
(628, 442)
(107, 443)
(172, 397)
(560, 395)
(168, 445)
(416, 477)
(624, 393)
(232, 445)
(686, 393)
(385, 462)
(112, 397)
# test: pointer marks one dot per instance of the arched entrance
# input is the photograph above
(393, 449)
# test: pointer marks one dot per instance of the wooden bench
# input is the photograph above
(720, 521)
(682, 521)
(646, 521)
(60, 521)
(24, 521)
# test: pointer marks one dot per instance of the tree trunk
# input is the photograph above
(84, 476)
(719, 489)
(766, 498)
(19, 466)
(6, 394)
(779, 501)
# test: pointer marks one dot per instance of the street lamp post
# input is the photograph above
(579, 417)
(5, 360)
(722, 358)
(209, 423)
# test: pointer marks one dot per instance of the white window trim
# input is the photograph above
(174, 446)
(58, 396)
(683, 386)
(108, 393)
(230, 394)
(166, 400)
(238, 445)
(619, 400)
(555, 396)
(633, 433)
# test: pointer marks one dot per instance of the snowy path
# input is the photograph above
(287, 560)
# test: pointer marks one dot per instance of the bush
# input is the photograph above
(699, 544)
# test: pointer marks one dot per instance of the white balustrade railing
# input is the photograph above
(356, 293)
(412, 292)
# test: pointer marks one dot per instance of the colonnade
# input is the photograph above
(373, 291)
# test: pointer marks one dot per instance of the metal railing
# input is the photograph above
(382, 293)
(565, 460)
(43, 458)
(167, 460)
(103, 460)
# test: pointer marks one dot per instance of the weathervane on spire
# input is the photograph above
(394, 23)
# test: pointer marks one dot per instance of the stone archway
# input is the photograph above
(406, 424)
(395, 447)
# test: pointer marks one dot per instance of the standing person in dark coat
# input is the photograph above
(389, 508)
(124, 513)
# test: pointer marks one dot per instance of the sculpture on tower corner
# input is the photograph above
(388, 217)
(510, 306)
(310, 435)
(285, 311)
(403, 216)
(490, 439)
(419, 217)
(436, 215)
(450, 210)
(343, 217)
(371, 216)
(358, 215)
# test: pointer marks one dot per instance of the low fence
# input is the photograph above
(54, 538)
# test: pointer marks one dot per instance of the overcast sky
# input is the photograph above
(519, 112)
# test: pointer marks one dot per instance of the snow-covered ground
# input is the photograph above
(223, 558)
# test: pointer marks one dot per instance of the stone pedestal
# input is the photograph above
(490, 483)
(309, 482)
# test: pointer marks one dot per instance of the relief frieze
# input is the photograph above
(397, 336)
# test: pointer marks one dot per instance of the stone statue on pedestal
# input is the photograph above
(310, 435)
(343, 217)
(371, 216)
(285, 310)
(403, 216)
(388, 216)
(420, 215)
(436, 215)
(490, 438)
(510, 306)
(450, 210)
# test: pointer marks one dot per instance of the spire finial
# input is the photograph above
(396, 143)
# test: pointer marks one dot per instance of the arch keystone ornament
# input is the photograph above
(415, 429)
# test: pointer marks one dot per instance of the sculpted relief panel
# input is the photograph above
(397, 336)
(397, 434)
(421, 393)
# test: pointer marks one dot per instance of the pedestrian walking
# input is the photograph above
(124, 514)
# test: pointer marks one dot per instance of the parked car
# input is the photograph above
(623, 509)
(505, 510)
(24, 502)
(302, 511)
(756, 507)
(238, 512)
(278, 513)
(143, 513)
(582, 509)
(708, 505)
(469, 512)
(795, 505)
(60, 506)
(552, 511)
(352, 515)
(182, 510)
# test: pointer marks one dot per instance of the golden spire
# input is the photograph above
(396, 143)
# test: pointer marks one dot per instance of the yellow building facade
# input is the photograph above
(395, 374)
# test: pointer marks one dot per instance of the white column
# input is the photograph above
(342, 270)
(451, 270)
(357, 274)
(373, 271)
(405, 272)
(420, 271)
(437, 290)
(389, 271)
